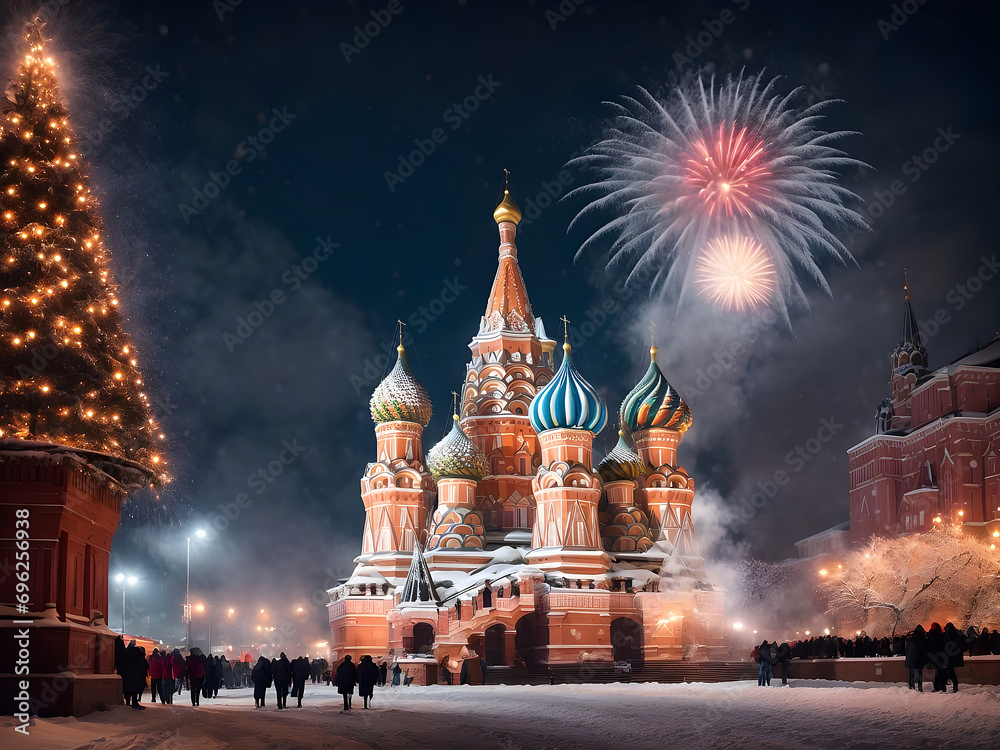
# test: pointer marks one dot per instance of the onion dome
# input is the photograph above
(506, 209)
(654, 403)
(457, 456)
(400, 398)
(622, 463)
(568, 401)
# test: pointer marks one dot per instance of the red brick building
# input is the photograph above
(935, 457)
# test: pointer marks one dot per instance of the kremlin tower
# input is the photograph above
(508, 542)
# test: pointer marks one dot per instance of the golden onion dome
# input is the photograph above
(457, 456)
(507, 209)
(622, 463)
(400, 398)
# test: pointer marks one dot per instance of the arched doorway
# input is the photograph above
(626, 640)
(494, 645)
(524, 642)
(423, 638)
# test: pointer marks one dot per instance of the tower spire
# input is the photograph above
(508, 308)
(652, 341)
(909, 349)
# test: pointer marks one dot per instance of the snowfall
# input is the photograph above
(805, 714)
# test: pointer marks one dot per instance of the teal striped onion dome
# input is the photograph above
(654, 403)
(400, 398)
(568, 401)
(622, 463)
(457, 456)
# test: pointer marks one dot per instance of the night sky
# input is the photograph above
(233, 399)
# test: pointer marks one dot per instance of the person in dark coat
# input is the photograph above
(219, 675)
(260, 675)
(383, 674)
(207, 685)
(916, 657)
(397, 671)
(784, 658)
(954, 647)
(300, 673)
(347, 676)
(367, 676)
(937, 657)
(195, 668)
(120, 656)
(281, 672)
(136, 669)
(766, 663)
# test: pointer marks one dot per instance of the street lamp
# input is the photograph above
(123, 580)
(200, 533)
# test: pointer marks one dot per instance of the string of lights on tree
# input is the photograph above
(70, 371)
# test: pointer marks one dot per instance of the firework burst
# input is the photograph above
(716, 162)
(735, 273)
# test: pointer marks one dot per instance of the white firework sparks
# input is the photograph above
(716, 161)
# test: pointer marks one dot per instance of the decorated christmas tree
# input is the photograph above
(70, 372)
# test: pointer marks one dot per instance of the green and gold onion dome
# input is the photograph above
(654, 403)
(400, 398)
(457, 457)
(622, 463)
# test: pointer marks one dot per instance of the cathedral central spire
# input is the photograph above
(508, 308)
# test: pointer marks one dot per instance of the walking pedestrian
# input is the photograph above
(261, 678)
(347, 676)
(155, 675)
(300, 673)
(937, 657)
(281, 672)
(177, 671)
(954, 646)
(784, 657)
(764, 672)
(396, 672)
(208, 684)
(195, 668)
(367, 677)
(916, 657)
(383, 674)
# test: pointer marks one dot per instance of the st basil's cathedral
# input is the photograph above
(504, 542)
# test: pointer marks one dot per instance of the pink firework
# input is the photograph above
(736, 273)
(720, 159)
(728, 171)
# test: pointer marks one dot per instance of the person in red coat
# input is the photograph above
(195, 667)
(156, 675)
(177, 671)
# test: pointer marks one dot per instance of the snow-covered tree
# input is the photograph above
(892, 585)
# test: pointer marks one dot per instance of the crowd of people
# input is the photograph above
(169, 672)
(939, 649)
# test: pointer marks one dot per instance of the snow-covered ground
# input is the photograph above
(808, 714)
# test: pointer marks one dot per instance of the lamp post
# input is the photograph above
(200, 533)
(125, 580)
